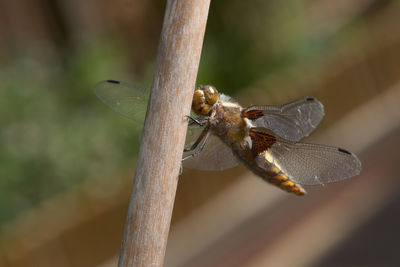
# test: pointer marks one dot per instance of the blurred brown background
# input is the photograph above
(67, 161)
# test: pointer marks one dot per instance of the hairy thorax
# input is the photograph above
(228, 123)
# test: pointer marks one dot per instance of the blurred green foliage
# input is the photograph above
(245, 42)
(54, 132)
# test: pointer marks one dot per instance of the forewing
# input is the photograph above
(123, 98)
(292, 121)
(311, 164)
(216, 156)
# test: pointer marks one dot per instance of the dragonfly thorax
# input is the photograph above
(204, 97)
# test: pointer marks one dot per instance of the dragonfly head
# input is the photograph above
(204, 97)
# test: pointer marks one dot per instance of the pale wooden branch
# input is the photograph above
(156, 177)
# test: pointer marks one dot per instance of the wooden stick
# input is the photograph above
(156, 177)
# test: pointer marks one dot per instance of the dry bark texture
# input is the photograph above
(156, 177)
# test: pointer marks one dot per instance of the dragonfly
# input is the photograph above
(265, 138)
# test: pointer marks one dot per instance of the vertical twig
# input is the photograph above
(156, 177)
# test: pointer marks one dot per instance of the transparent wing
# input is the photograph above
(292, 121)
(192, 133)
(311, 164)
(216, 155)
(123, 98)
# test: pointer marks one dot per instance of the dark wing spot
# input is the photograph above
(261, 141)
(344, 151)
(309, 98)
(113, 81)
(253, 114)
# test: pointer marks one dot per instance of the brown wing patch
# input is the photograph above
(261, 141)
(253, 114)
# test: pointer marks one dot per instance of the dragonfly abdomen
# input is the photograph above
(274, 174)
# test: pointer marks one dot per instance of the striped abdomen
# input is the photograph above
(273, 173)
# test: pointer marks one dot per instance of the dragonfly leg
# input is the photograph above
(203, 139)
(198, 141)
(198, 121)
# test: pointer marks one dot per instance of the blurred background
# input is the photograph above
(67, 161)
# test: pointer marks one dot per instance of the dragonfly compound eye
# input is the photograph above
(211, 94)
(204, 97)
